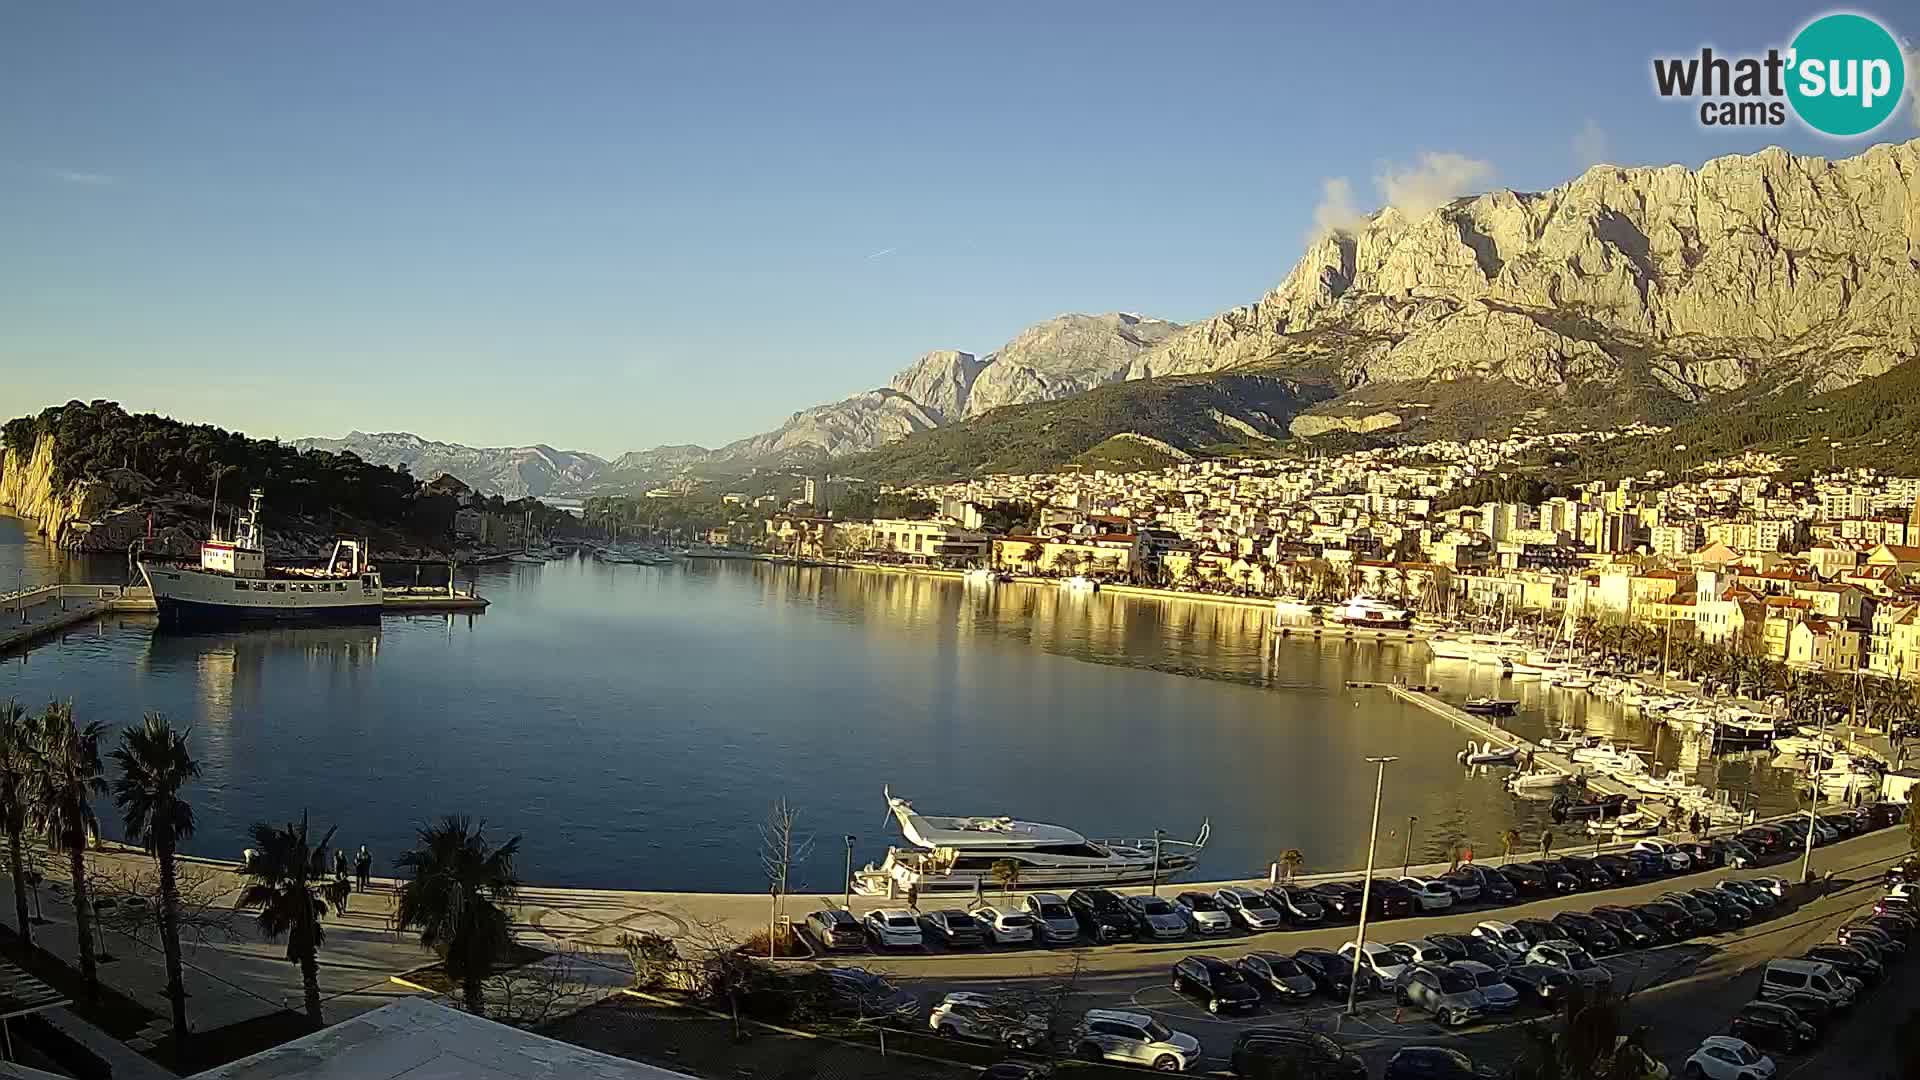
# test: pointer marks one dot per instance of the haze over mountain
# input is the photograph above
(1626, 292)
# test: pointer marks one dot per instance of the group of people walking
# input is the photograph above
(362, 866)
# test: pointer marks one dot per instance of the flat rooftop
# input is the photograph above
(419, 1039)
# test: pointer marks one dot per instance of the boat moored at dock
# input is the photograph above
(234, 583)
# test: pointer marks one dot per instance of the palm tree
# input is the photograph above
(154, 765)
(456, 885)
(1006, 874)
(66, 778)
(1290, 861)
(16, 777)
(289, 885)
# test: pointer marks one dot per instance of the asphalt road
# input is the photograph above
(1683, 992)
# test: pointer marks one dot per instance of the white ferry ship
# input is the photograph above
(959, 853)
(233, 582)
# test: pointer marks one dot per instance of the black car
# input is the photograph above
(1588, 932)
(1296, 905)
(1705, 920)
(1391, 900)
(1215, 982)
(1623, 870)
(1652, 867)
(1308, 1053)
(1494, 886)
(1102, 916)
(1538, 930)
(1849, 961)
(1338, 899)
(1456, 946)
(1465, 885)
(1277, 973)
(1755, 897)
(1672, 920)
(1330, 972)
(1816, 1009)
(1764, 840)
(953, 928)
(1861, 929)
(1631, 929)
(1729, 907)
(1429, 1063)
(1704, 856)
(1482, 951)
(1734, 853)
(1539, 982)
(1560, 877)
(1897, 929)
(836, 928)
(1844, 824)
(1526, 878)
(1590, 873)
(1772, 1027)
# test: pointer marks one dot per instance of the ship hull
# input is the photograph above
(174, 612)
(189, 596)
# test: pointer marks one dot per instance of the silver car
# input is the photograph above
(1206, 914)
(1155, 918)
(1500, 997)
(1453, 997)
(1053, 921)
(1572, 959)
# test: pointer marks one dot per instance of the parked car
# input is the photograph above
(1482, 951)
(1772, 1027)
(1430, 1063)
(1705, 856)
(1775, 885)
(967, 1015)
(1500, 996)
(1677, 860)
(1762, 840)
(1805, 977)
(1633, 931)
(1734, 854)
(1463, 883)
(1753, 895)
(1429, 894)
(1309, 1053)
(1420, 951)
(1203, 913)
(1813, 1008)
(1883, 942)
(1591, 874)
(953, 928)
(1850, 961)
(1705, 919)
(1456, 946)
(1296, 905)
(1589, 932)
(1505, 936)
(893, 928)
(1331, 973)
(836, 928)
(1494, 886)
(1134, 1039)
(1216, 983)
(1560, 878)
(1277, 973)
(1451, 997)
(1672, 919)
(1526, 879)
(1729, 909)
(1155, 918)
(1652, 867)
(1907, 869)
(1338, 899)
(1248, 907)
(1391, 900)
(1052, 918)
(1538, 930)
(1379, 968)
(1539, 982)
(1623, 870)
(857, 992)
(1723, 1057)
(1005, 926)
(1101, 915)
(1573, 960)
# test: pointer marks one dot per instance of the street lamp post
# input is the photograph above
(1158, 834)
(1366, 884)
(1406, 853)
(846, 902)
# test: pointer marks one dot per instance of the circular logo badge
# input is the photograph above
(1848, 75)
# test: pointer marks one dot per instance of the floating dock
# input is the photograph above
(1487, 731)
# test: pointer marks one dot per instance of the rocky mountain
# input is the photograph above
(850, 425)
(1627, 284)
(1062, 357)
(511, 472)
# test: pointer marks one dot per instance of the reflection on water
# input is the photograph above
(636, 721)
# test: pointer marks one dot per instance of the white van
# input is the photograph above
(1805, 977)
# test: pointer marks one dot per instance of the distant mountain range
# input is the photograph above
(1660, 293)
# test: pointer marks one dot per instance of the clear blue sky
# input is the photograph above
(610, 225)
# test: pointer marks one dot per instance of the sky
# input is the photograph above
(606, 226)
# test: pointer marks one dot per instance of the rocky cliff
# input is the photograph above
(1762, 270)
(28, 489)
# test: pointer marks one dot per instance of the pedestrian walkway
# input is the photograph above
(42, 612)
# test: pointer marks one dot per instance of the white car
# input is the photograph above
(894, 928)
(1135, 1038)
(966, 1015)
(1675, 859)
(1420, 951)
(1380, 965)
(1005, 926)
(1570, 958)
(1723, 1057)
(1503, 936)
(1431, 894)
(1251, 908)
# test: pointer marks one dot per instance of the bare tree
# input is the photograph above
(1050, 1002)
(532, 994)
(783, 850)
(205, 911)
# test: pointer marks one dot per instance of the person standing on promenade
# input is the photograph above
(363, 868)
(340, 876)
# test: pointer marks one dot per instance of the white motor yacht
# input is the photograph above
(960, 853)
(1079, 583)
(1363, 610)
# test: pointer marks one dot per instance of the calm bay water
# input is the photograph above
(635, 722)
